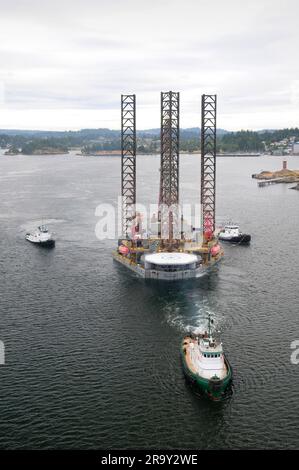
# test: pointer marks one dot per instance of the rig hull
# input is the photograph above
(146, 273)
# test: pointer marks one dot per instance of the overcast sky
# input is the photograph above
(65, 63)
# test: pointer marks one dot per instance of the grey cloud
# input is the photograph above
(83, 55)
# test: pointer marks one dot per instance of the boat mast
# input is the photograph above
(210, 322)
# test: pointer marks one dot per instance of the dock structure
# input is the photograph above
(271, 181)
(283, 179)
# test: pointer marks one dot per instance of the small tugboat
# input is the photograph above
(42, 237)
(231, 233)
(205, 365)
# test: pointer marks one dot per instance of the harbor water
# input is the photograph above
(92, 352)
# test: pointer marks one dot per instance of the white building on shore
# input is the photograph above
(296, 148)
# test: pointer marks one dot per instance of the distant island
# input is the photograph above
(38, 151)
(281, 176)
(35, 146)
(283, 173)
(107, 142)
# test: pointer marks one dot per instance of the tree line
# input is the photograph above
(90, 141)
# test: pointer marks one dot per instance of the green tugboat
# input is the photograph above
(205, 365)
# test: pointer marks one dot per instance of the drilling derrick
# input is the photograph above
(128, 162)
(169, 171)
(208, 165)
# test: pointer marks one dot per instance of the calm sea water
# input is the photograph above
(92, 352)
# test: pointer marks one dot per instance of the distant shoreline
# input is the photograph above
(46, 151)
(117, 153)
(107, 142)
(105, 153)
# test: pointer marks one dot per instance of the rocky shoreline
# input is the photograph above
(282, 176)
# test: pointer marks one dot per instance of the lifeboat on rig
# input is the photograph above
(215, 250)
(123, 250)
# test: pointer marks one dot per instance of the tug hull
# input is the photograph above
(45, 244)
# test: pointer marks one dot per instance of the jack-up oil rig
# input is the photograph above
(169, 254)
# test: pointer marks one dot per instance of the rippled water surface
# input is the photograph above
(92, 352)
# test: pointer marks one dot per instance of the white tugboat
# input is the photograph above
(231, 233)
(41, 236)
(205, 365)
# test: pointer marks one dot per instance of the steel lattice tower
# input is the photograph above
(208, 163)
(128, 161)
(169, 178)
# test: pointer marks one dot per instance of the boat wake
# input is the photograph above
(32, 224)
(188, 321)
